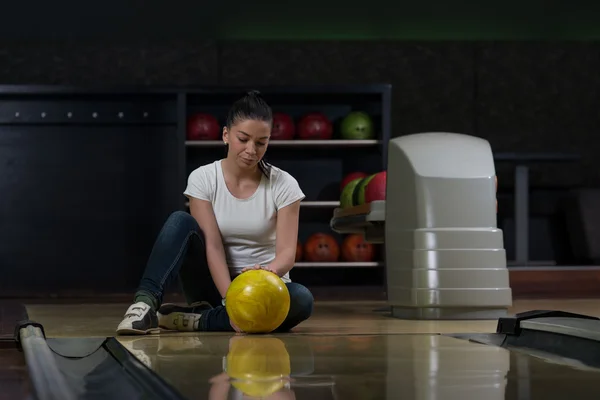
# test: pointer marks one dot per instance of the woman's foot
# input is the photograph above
(139, 319)
(181, 318)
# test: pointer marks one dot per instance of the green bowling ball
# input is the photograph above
(359, 192)
(357, 125)
(347, 196)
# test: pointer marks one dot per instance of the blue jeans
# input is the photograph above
(179, 252)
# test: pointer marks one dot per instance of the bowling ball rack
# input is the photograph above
(367, 219)
(73, 368)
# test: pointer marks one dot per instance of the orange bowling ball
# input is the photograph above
(321, 247)
(356, 249)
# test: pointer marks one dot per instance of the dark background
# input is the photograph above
(487, 73)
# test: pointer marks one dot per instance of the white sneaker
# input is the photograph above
(139, 320)
(181, 318)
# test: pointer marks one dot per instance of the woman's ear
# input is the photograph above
(225, 135)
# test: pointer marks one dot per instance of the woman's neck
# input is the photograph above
(238, 173)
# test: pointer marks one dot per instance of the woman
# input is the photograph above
(244, 215)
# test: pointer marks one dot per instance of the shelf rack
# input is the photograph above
(92, 148)
(318, 165)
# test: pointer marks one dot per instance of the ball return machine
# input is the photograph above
(444, 254)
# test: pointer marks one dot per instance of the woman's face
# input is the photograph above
(248, 141)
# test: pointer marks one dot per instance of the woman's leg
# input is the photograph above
(178, 251)
(301, 306)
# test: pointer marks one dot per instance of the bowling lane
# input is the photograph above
(355, 367)
(329, 318)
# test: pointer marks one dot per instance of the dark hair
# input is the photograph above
(251, 106)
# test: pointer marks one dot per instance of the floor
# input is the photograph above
(347, 350)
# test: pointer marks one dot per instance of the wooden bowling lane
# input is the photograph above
(14, 377)
(354, 367)
(329, 318)
(347, 350)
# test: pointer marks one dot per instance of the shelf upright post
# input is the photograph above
(386, 126)
(181, 136)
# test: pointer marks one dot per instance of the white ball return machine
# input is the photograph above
(444, 254)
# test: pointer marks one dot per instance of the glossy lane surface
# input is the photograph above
(425, 366)
(347, 350)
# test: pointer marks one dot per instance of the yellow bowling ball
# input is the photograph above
(257, 301)
(258, 366)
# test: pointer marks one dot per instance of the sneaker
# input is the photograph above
(139, 319)
(181, 318)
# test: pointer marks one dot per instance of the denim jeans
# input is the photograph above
(179, 252)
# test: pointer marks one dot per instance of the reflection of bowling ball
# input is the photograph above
(283, 127)
(358, 197)
(315, 126)
(257, 301)
(321, 247)
(258, 366)
(357, 125)
(356, 249)
(350, 177)
(298, 251)
(376, 189)
(203, 127)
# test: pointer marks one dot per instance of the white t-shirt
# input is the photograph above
(248, 226)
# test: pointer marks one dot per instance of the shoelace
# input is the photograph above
(130, 312)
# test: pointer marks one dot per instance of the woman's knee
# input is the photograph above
(178, 227)
(301, 301)
(183, 221)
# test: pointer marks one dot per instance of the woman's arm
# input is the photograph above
(203, 212)
(287, 239)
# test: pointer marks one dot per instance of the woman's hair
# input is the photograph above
(251, 107)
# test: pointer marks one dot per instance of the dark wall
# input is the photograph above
(302, 20)
(82, 198)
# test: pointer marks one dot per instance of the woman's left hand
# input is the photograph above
(258, 267)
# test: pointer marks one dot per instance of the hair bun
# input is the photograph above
(253, 93)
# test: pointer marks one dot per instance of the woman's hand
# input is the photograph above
(235, 327)
(258, 267)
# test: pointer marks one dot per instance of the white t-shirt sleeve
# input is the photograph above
(286, 190)
(200, 185)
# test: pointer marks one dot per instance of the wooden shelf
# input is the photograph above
(320, 204)
(312, 204)
(293, 143)
(341, 264)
